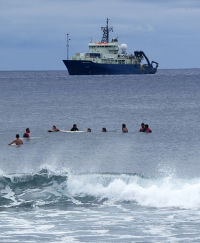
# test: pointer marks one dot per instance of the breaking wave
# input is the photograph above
(47, 189)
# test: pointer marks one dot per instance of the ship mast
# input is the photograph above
(106, 30)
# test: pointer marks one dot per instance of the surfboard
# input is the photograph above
(68, 131)
(14, 144)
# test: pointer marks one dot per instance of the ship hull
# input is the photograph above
(79, 67)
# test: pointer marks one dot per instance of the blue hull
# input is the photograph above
(76, 67)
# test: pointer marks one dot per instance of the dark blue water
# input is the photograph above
(100, 187)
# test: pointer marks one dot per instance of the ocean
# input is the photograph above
(100, 187)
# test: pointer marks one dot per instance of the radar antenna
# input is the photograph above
(106, 30)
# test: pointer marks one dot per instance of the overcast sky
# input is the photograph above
(33, 32)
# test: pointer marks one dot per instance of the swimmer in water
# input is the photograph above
(54, 129)
(147, 129)
(26, 134)
(142, 128)
(104, 129)
(17, 141)
(74, 128)
(124, 128)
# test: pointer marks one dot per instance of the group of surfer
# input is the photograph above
(18, 141)
(144, 128)
(73, 129)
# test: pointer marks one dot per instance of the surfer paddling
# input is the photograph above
(17, 141)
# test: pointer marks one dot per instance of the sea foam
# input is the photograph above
(163, 192)
(46, 187)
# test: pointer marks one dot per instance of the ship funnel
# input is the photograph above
(123, 48)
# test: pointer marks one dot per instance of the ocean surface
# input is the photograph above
(100, 187)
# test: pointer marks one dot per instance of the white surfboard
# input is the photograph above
(68, 131)
(14, 144)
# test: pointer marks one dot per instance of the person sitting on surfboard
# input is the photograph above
(54, 129)
(17, 141)
(74, 128)
(142, 128)
(89, 130)
(124, 128)
(26, 134)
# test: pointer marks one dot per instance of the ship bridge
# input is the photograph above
(104, 48)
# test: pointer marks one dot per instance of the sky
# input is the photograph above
(33, 32)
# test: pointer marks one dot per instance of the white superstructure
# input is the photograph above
(109, 53)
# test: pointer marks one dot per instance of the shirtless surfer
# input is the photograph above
(17, 141)
(54, 129)
(124, 128)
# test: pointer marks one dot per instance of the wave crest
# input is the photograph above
(50, 189)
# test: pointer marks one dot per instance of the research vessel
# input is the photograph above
(108, 57)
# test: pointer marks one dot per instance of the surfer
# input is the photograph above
(17, 141)
(147, 129)
(89, 130)
(26, 134)
(104, 129)
(54, 129)
(74, 128)
(142, 128)
(124, 128)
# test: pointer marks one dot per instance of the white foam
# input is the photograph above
(165, 192)
(54, 169)
(1, 172)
